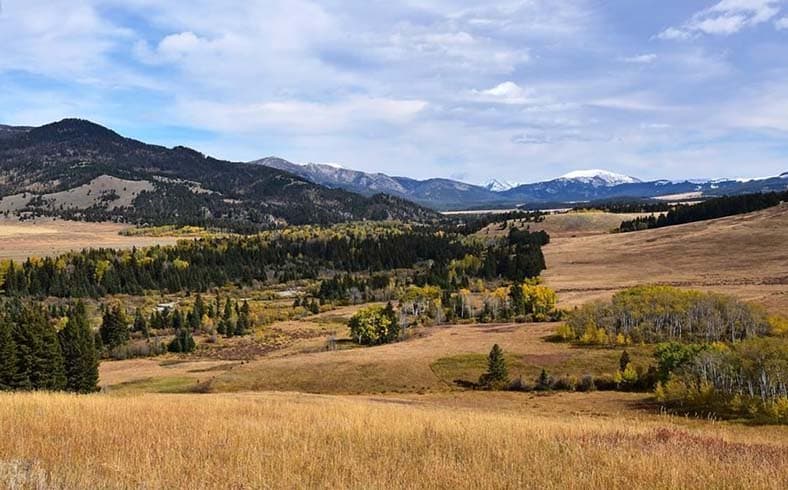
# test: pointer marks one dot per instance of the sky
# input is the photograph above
(472, 90)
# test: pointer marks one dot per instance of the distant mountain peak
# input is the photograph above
(599, 177)
(496, 185)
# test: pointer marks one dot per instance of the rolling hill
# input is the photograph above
(744, 255)
(78, 169)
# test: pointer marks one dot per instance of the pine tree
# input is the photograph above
(497, 375)
(543, 382)
(624, 361)
(8, 378)
(79, 352)
(177, 319)
(39, 359)
(198, 310)
(140, 324)
(517, 298)
(183, 341)
(244, 323)
(114, 330)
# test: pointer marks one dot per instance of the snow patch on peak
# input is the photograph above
(496, 185)
(600, 177)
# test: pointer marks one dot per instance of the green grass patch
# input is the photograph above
(466, 368)
(174, 384)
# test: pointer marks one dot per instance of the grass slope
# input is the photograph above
(742, 255)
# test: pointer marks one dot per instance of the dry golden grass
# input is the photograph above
(430, 361)
(742, 255)
(46, 237)
(306, 441)
(568, 225)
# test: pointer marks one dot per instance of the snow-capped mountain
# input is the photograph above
(496, 185)
(597, 177)
(436, 193)
(574, 187)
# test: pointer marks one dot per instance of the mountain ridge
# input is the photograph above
(187, 186)
(574, 187)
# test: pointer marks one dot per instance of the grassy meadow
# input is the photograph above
(287, 440)
(279, 409)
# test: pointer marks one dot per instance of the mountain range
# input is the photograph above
(575, 187)
(78, 169)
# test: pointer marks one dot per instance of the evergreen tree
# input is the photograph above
(177, 319)
(140, 324)
(244, 323)
(79, 352)
(623, 361)
(497, 375)
(543, 382)
(183, 341)
(8, 378)
(39, 359)
(227, 319)
(198, 310)
(114, 329)
(517, 299)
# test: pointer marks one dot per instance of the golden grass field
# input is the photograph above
(289, 440)
(392, 416)
(47, 237)
(744, 255)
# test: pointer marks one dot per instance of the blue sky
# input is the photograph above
(515, 90)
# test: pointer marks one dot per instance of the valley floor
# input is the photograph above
(49, 237)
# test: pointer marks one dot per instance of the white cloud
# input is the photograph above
(672, 34)
(506, 93)
(724, 18)
(307, 117)
(641, 59)
(781, 24)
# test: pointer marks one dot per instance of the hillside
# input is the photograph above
(77, 169)
(743, 255)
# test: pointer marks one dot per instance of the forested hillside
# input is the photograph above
(713, 208)
(52, 170)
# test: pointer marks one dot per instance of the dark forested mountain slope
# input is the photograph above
(77, 169)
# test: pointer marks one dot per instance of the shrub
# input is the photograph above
(374, 325)
(565, 383)
(586, 384)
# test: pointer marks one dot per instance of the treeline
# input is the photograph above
(654, 314)
(713, 208)
(625, 207)
(746, 379)
(472, 223)
(37, 355)
(274, 256)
